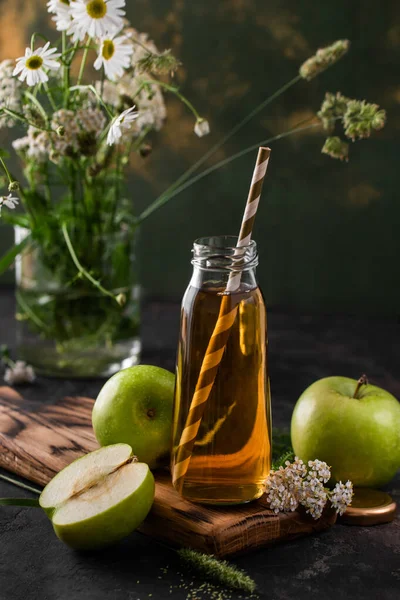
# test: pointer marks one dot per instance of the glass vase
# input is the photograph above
(68, 327)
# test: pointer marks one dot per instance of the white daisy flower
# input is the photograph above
(97, 18)
(123, 121)
(32, 66)
(8, 201)
(62, 18)
(114, 55)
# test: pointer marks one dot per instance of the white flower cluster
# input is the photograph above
(19, 373)
(10, 92)
(80, 132)
(122, 52)
(282, 486)
(341, 496)
(319, 469)
(297, 484)
(35, 145)
(312, 495)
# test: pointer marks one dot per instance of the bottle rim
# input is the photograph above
(220, 253)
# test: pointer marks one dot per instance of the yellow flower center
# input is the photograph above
(96, 9)
(108, 49)
(34, 62)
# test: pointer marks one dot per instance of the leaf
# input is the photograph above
(33, 502)
(9, 257)
(19, 484)
(281, 443)
(4, 153)
(15, 219)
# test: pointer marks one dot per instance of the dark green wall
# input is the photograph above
(328, 232)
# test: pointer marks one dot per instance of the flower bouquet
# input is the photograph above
(77, 291)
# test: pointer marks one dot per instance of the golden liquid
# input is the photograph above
(231, 457)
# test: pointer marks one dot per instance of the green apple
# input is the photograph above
(351, 425)
(135, 407)
(99, 498)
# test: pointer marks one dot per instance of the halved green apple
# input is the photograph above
(99, 498)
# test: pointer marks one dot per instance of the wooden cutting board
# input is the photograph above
(39, 439)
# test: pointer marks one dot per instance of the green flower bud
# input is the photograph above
(13, 186)
(361, 118)
(336, 148)
(121, 299)
(323, 58)
(333, 107)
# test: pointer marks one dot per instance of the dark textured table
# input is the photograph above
(344, 562)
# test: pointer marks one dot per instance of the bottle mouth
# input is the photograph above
(221, 253)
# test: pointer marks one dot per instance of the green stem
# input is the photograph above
(221, 142)
(20, 117)
(8, 361)
(136, 41)
(27, 309)
(80, 268)
(83, 63)
(7, 172)
(92, 89)
(50, 96)
(33, 502)
(174, 90)
(38, 105)
(19, 484)
(164, 198)
(65, 69)
(34, 36)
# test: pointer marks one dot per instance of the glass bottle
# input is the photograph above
(231, 456)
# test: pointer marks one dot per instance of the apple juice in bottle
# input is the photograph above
(231, 456)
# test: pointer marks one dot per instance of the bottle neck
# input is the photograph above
(209, 279)
(219, 264)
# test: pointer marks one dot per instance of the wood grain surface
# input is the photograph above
(39, 439)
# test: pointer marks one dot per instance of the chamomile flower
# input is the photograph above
(123, 121)
(62, 18)
(32, 66)
(114, 55)
(8, 201)
(97, 18)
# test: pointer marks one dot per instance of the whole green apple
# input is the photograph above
(352, 426)
(135, 407)
(100, 498)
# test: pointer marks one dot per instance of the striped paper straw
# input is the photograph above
(220, 335)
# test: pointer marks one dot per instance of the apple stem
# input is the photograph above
(362, 381)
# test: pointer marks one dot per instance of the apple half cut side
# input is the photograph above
(100, 498)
